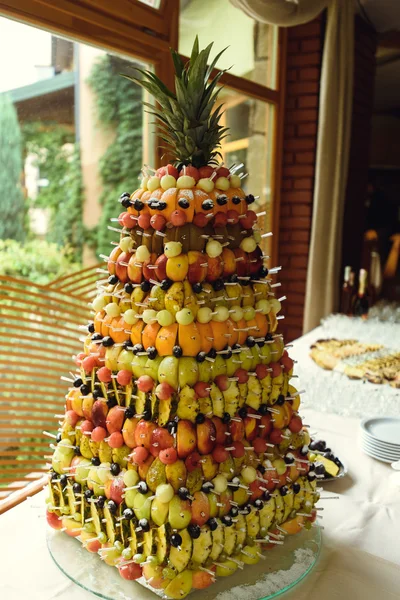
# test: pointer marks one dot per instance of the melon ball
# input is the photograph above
(207, 185)
(130, 317)
(185, 181)
(99, 303)
(248, 244)
(235, 181)
(222, 314)
(167, 182)
(142, 253)
(222, 183)
(153, 183)
(213, 248)
(126, 244)
(112, 309)
(172, 249)
(204, 314)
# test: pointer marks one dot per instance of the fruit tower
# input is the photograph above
(182, 455)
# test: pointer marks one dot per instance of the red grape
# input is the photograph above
(124, 377)
(158, 222)
(104, 375)
(116, 440)
(232, 216)
(86, 427)
(144, 220)
(178, 218)
(259, 445)
(242, 374)
(98, 434)
(145, 383)
(164, 391)
(219, 454)
(139, 455)
(168, 456)
(238, 451)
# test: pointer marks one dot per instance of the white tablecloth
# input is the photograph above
(333, 392)
(361, 549)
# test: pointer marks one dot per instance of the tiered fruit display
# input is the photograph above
(182, 455)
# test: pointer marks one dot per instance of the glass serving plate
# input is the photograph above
(283, 568)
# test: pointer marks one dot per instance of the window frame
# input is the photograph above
(137, 30)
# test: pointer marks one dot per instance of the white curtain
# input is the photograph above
(333, 142)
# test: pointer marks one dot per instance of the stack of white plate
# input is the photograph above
(380, 438)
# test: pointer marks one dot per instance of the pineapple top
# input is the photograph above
(186, 120)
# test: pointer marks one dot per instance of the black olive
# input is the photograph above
(261, 469)
(101, 500)
(166, 284)
(63, 481)
(184, 203)
(96, 337)
(212, 353)
(145, 286)
(296, 488)
(151, 352)
(236, 200)
(250, 199)
(177, 351)
(113, 279)
(77, 488)
(78, 382)
(137, 348)
(218, 285)
(234, 484)
(129, 412)
(226, 418)
(207, 487)
(201, 357)
(138, 205)
(95, 461)
(146, 415)
(128, 287)
(176, 540)
(144, 524)
(108, 341)
(90, 327)
(234, 511)
(128, 514)
(200, 418)
(320, 469)
(259, 504)
(127, 345)
(266, 496)
(197, 288)
(142, 487)
(194, 531)
(263, 272)
(207, 205)
(212, 523)
(263, 410)
(85, 389)
(58, 437)
(227, 520)
(183, 493)
(281, 400)
(227, 352)
(243, 412)
(233, 278)
(88, 494)
(284, 490)
(111, 401)
(250, 341)
(172, 427)
(77, 451)
(222, 199)
(115, 469)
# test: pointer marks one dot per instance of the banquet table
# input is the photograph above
(360, 558)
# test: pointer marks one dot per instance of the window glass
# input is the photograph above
(250, 142)
(250, 46)
(73, 137)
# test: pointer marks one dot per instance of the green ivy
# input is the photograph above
(36, 260)
(64, 194)
(12, 209)
(119, 108)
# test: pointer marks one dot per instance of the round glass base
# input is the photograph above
(283, 567)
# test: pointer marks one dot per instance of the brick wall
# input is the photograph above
(365, 40)
(304, 54)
